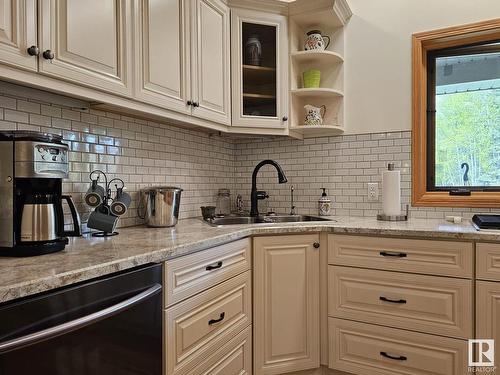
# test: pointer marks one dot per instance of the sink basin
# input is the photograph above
(239, 220)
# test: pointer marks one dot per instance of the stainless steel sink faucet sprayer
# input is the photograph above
(258, 195)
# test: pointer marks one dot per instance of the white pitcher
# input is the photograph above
(314, 115)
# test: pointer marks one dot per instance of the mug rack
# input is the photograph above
(105, 206)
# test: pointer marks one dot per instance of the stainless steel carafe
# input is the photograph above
(42, 218)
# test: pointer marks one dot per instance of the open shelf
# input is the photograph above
(317, 57)
(258, 68)
(258, 96)
(313, 131)
(317, 92)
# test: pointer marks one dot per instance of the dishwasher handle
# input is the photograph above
(76, 324)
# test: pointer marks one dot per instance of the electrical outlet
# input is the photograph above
(373, 192)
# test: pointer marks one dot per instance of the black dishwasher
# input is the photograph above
(106, 326)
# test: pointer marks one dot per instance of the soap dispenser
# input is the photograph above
(324, 204)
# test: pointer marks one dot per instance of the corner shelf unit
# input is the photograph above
(328, 57)
(315, 131)
(330, 17)
(321, 92)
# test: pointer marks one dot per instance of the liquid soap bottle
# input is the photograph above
(324, 204)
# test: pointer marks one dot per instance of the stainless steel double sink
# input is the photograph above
(269, 219)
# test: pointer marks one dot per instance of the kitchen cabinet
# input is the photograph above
(87, 42)
(259, 61)
(183, 57)
(18, 33)
(487, 313)
(286, 303)
(210, 48)
(162, 35)
(368, 349)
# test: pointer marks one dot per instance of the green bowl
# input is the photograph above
(312, 78)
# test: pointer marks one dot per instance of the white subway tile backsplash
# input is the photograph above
(145, 153)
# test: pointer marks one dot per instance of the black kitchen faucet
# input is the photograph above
(257, 195)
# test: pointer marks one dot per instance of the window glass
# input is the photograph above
(464, 118)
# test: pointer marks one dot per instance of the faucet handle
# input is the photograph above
(262, 195)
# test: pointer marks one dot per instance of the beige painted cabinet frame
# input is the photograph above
(211, 70)
(91, 43)
(162, 53)
(238, 17)
(286, 304)
(183, 60)
(18, 33)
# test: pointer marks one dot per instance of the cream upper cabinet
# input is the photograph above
(162, 53)
(87, 42)
(18, 33)
(183, 57)
(259, 60)
(211, 72)
(286, 304)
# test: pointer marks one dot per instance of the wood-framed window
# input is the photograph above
(456, 116)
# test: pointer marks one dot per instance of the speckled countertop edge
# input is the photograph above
(86, 258)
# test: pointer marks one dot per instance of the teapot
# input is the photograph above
(316, 41)
(314, 115)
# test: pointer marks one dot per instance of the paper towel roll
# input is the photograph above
(391, 192)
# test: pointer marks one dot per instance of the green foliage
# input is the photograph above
(468, 131)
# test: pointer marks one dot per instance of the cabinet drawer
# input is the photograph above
(234, 358)
(198, 326)
(191, 274)
(366, 349)
(447, 258)
(488, 261)
(420, 303)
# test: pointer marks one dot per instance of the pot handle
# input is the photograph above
(323, 107)
(77, 229)
(327, 37)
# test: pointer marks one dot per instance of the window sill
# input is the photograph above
(444, 199)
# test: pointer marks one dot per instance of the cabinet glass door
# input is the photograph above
(259, 70)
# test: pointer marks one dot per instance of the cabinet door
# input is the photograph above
(211, 61)
(18, 32)
(90, 41)
(286, 304)
(162, 53)
(259, 61)
(488, 314)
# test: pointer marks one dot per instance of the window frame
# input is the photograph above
(422, 45)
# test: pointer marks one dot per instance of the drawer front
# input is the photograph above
(366, 349)
(488, 261)
(197, 327)
(191, 274)
(234, 358)
(419, 303)
(447, 258)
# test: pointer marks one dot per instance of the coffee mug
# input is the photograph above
(102, 221)
(121, 203)
(95, 194)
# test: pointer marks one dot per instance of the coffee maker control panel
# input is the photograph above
(46, 153)
(40, 159)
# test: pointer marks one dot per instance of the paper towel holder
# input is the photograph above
(402, 217)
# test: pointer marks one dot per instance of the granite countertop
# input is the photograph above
(89, 257)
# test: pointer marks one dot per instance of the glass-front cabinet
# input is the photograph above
(260, 69)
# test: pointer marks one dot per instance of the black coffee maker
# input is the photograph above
(32, 167)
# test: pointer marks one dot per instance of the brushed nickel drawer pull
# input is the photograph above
(215, 321)
(211, 268)
(398, 358)
(392, 254)
(385, 299)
